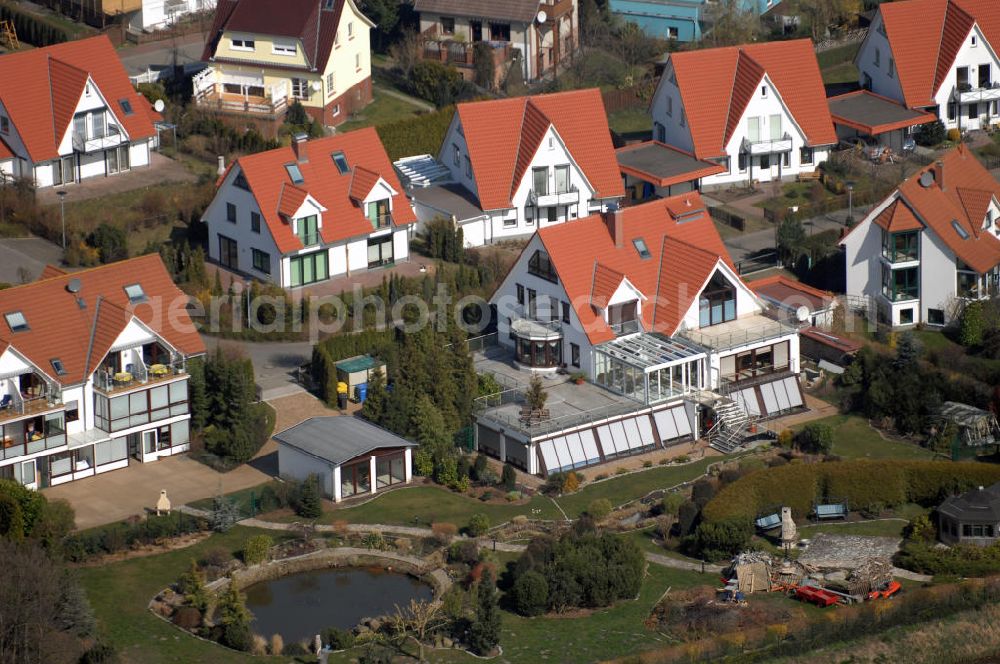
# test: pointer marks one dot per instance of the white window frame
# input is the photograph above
(670, 106)
(350, 29)
(286, 49)
(331, 83)
(336, 110)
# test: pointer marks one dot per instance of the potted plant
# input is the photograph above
(578, 377)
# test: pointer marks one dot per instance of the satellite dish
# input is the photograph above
(802, 313)
(926, 179)
(542, 16)
(73, 286)
(158, 106)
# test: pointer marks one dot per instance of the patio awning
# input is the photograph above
(874, 114)
(652, 351)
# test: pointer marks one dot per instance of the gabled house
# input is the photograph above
(936, 55)
(264, 54)
(759, 110)
(524, 163)
(302, 214)
(646, 303)
(539, 35)
(931, 245)
(68, 112)
(93, 371)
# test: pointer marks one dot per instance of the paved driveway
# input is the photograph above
(23, 259)
(120, 494)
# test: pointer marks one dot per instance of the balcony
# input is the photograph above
(625, 327)
(745, 331)
(966, 94)
(136, 375)
(556, 9)
(238, 97)
(309, 239)
(114, 138)
(27, 395)
(536, 330)
(381, 221)
(447, 50)
(768, 146)
(545, 199)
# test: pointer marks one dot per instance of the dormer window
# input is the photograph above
(294, 173)
(16, 321)
(640, 246)
(340, 161)
(717, 303)
(135, 293)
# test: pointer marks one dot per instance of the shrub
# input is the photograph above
(530, 594)
(703, 491)
(672, 502)
(309, 503)
(101, 653)
(971, 324)
(110, 242)
(238, 637)
(719, 541)
(277, 645)
(687, 517)
(465, 551)
(187, 617)
(295, 649)
(785, 438)
(647, 464)
(954, 135)
(508, 477)
(479, 524)
(257, 549)
(571, 483)
(337, 639)
(930, 134)
(599, 509)
(815, 438)
(444, 532)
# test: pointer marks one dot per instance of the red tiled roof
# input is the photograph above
(503, 134)
(898, 217)
(5, 152)
(925, 36)
(290, 200)
(307, 20)
(266, 175)
(673, 274)
(716, 85)
(41, 88)
(362, 182)
(51, 271)
(606, 282)
(964, 178)
(58, 327)
(782, 289)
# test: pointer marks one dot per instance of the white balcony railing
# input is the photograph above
(969, 95)
(536, 330)
(768, 146)
(554, 198)
(114, 138)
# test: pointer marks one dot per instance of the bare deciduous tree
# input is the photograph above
(418, 619)
(406, 52)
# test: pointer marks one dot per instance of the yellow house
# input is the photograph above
(264, 54)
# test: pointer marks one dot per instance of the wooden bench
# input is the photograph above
(811, 176)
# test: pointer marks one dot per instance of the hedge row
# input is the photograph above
(115, 537)
(32, 28)
(333, 349)
(863, 483)
(422, 134)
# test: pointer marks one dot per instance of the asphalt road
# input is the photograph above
(158, 55)
(23, 259)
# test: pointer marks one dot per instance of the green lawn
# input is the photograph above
(884, 528)
(622, 489)
(853, 438)
(632, 123)
(383, 110)
(121, 591)
(845, 72)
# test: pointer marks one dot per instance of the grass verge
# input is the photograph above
(853, 438)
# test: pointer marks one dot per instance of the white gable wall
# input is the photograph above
(972, 57)
(11, 362)
(674, 134)
(747, 303)
(455, 138)
(246, 240)
(881, 82)
(863, 255)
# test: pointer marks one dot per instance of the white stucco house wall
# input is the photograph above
(300, 215)
(70, 411)
(68, 112)
(517, 165)
(936, 55)
(758, 110)
(931, 246)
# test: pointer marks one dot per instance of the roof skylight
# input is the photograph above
(640, 246)
(135, 293)
(341, 161)
(16, 321)
(126, 106)
(58, 367)
(962, 233)
(294, 173)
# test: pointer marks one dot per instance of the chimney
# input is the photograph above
(299, 147)
(222, 164)
(939, 174)
(616, 225)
